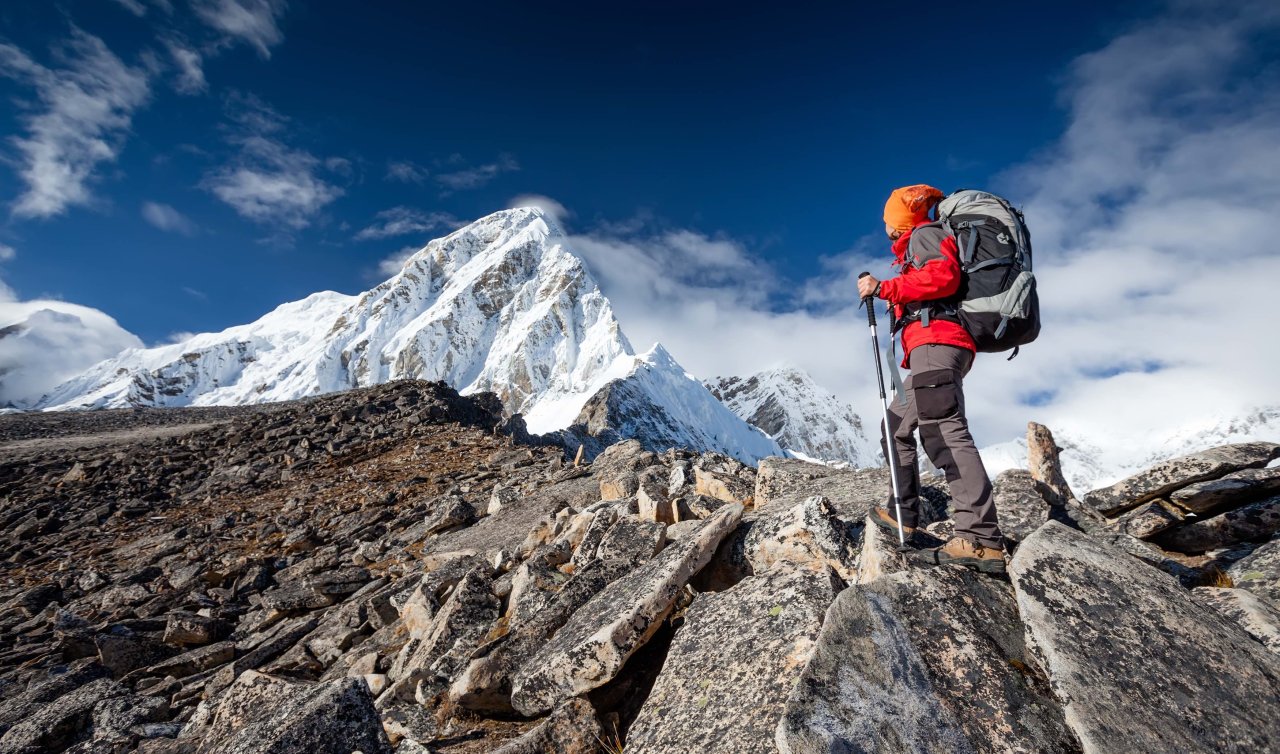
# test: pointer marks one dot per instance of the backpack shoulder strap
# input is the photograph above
(925, 244)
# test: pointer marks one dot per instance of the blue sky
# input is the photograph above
(782, 130)
(188, 165)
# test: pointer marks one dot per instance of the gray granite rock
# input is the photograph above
(1259, 572)
(595, 643)
(1137, 664)
(785, 482)
(1233, 489)
(56, 725)
(573, 728)
(732, 664)
(1149, 519)
(1168, 476)
(1020, 507)
(880, 554)
(259, 714)
(1253, 522)
(450, 512)
(629, 537)
(484, 685)
(808, 535)
(923, 660)
(1255, 615)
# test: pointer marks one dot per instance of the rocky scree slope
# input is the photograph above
(502, 305)
(386, 570)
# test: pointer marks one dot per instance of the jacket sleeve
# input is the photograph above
(938, 276)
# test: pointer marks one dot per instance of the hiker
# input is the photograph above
(939, 352)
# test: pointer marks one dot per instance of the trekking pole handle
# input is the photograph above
(870, 303)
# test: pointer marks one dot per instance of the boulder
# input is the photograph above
(880, 554)
(806, 536)
(1137, 664)
(449, 512)
(1149, 519)
(697, 506)
(1259, 572)
(1175, 473)
(721, 486)
(183, 628)
(652, 499)
(1233, 489)
(1253, 522)
(1255, 616)
(731, 665)
(1020, 506)
(453, 634)
(629, 537)
(573, 728)
(592, 647)
(484, 685)
(600, 524)
(56, 725)
(785, 482)
(923, 660)
(260, 714)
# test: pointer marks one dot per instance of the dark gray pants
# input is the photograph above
(934, 402)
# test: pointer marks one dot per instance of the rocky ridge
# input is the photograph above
(394, 569)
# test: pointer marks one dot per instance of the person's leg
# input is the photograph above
(938, 374)
(902, 426)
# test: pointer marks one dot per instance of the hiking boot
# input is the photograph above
(885, 520)
(958, 551)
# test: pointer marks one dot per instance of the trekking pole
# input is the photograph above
(890, 452)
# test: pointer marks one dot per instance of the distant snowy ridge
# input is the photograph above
(801, 416)
(501, 305)
(1090, 462)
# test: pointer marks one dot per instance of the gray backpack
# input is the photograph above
(997, 302)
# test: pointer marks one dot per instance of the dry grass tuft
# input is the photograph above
(611, 743)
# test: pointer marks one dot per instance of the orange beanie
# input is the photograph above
(909, 205)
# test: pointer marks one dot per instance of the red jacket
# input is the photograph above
(937, 278)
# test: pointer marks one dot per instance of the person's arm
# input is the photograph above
(937, 278)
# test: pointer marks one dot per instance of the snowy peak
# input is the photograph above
(501, 305)
(799, 415)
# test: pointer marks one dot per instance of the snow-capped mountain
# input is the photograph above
(1090, 462)
(799, 415)
(45, 342)
(500, 305)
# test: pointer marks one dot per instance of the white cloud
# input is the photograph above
(7, 253)
(254, 22)
(85, 108)
(406, 171)
(190, 64)
(394, 263)
(551, 207)
(269, 182)
(465, 179)
(43, 343)
(402, 221)
(167, 218)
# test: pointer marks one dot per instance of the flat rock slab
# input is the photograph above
(260, 714)
(1167, 476)
(1259, 572)
(1253, 522)
(572, 729)
(1237, 488)
(1137, 663)
(924, 660)
(1149, 519)
(1255, 615)
(592, 647)
(732, 664)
